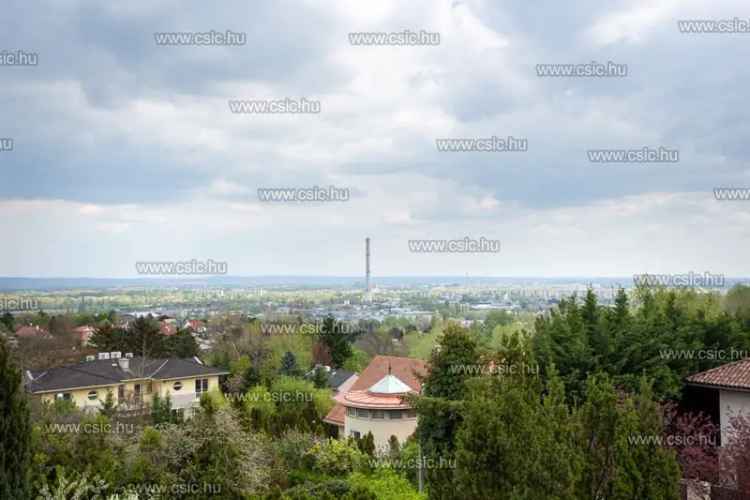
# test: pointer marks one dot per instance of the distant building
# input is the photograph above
(376, 401)
(195, 325)
(31, 331)
(84, 334)
(131, 381)
(167, 328)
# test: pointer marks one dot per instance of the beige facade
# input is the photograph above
(182, 392)
(359, 422)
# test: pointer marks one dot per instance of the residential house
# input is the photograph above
(31, 332)
(724, 392)
(195, 325)
(84, 334)
(167, 328)
(376, 401)
(132, 381)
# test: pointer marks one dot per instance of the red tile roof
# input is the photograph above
(31, 331)
(336, 415)
(734, 375)
(406, 369)
(364, 399)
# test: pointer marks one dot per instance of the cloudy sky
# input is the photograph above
(126, 151)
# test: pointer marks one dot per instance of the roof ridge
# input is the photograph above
(159, 369)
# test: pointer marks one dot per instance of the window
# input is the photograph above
(177, 386)
(137, 391)
(93, 395)
(149, 388)
(378, 414)
(201, 385)
(350, 412)
(65, 396)
(355, 434)
(411, 414)
(120, 392)
(396, 414)
(363, 413)
(178, 413)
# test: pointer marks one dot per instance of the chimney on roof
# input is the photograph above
(124, 364)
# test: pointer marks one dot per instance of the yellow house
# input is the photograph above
(132, 381)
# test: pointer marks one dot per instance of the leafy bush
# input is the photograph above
(336, 457)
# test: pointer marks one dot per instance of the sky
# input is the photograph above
(126, 151)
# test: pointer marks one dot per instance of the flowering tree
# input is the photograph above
(735, 456)
(694, 438)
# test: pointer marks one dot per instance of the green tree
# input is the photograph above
(439, 408)
(161, 409)
(320, 377)
(180, 345)
(289, 365)
(334, 337)
(109, 407)
(15, 430)
(516, 441)
(622, 459)
(367, 444)
(9, 322)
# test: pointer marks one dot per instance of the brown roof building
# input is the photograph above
(376, 401)
(728, 387)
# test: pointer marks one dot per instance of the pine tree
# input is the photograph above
(9, 322)
(108, 406)
(289, 365)
(367, 444)
(439, 407)
(320, 378)
(15, 431)
(333, 337)
(515, 443)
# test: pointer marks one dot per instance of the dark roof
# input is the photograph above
(730, 376)
(338, 377)
(108, 372)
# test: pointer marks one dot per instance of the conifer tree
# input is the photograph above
(15, 431)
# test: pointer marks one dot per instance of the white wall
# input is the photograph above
(730, 404)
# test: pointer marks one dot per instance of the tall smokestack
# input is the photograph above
(367, 264)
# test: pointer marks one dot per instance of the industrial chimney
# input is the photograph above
(367, 264)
